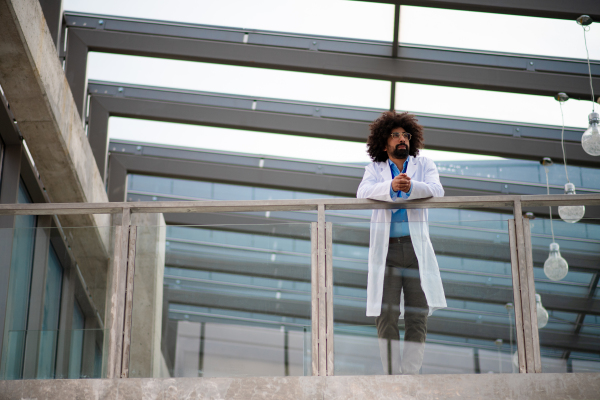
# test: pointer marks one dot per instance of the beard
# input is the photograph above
(400, 153)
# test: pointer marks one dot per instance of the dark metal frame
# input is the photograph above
(280, 173)
(524, 141)
(318, 54)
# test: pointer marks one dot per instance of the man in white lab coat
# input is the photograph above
(404, 279)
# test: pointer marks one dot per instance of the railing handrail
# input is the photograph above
(294, 205)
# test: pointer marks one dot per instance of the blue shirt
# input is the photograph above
(399, 225)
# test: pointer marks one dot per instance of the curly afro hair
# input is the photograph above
(382, 127)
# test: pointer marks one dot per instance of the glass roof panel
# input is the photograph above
(487, 104)
(363, 20)
(231, 79)
(250, 142)
(497, 32)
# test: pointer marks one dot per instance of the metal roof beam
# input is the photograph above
(511, 140)
(326, 55)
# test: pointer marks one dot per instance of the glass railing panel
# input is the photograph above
(471, 331)
(56, 283)
(221, 300)
(567, 305)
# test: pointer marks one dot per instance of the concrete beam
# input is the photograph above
(36, 87)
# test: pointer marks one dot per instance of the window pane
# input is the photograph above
(48, 335)
(18, 292)
(318, 17)
(497, 32)
(239, 80)
(523, 171)
(76, 342)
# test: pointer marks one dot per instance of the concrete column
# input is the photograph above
(146, 360)
(42, 102)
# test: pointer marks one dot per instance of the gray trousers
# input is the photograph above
(402, 273)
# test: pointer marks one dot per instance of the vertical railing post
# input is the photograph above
(322, 291)
(314, 289)
(514, 261)
(535, 336)
(329, 295)
(116, 297)
(128, 301)
(524, 288)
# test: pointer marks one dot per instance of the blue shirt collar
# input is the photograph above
(392, 165)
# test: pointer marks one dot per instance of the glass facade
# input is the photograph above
(53, 325)
(523, 171)
(18, 294)
(49, 332)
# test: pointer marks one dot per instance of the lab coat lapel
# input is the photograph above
(411, 167)
(386, 172)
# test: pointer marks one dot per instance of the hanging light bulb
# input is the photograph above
(542, 314)
(590, 141)
(571, 214)
(555, 266)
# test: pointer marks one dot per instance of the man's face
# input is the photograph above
(398, 147)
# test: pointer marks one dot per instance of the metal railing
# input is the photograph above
(121, 283)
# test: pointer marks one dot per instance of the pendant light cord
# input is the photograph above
(585, 29)
(562, 141)
(550, 207)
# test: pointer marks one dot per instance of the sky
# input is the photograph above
(343, 18)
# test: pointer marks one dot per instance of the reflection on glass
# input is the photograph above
(48, 338)
(76, 342)
(235, 301)
(475, 333)
(569, 341)
(60, 347)
(23, 238)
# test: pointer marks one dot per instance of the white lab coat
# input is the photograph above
(375, 185)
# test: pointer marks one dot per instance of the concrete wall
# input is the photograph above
(40, 98)
(146, 359)
(423, 387)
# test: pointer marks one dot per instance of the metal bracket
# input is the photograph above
(516, 132)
